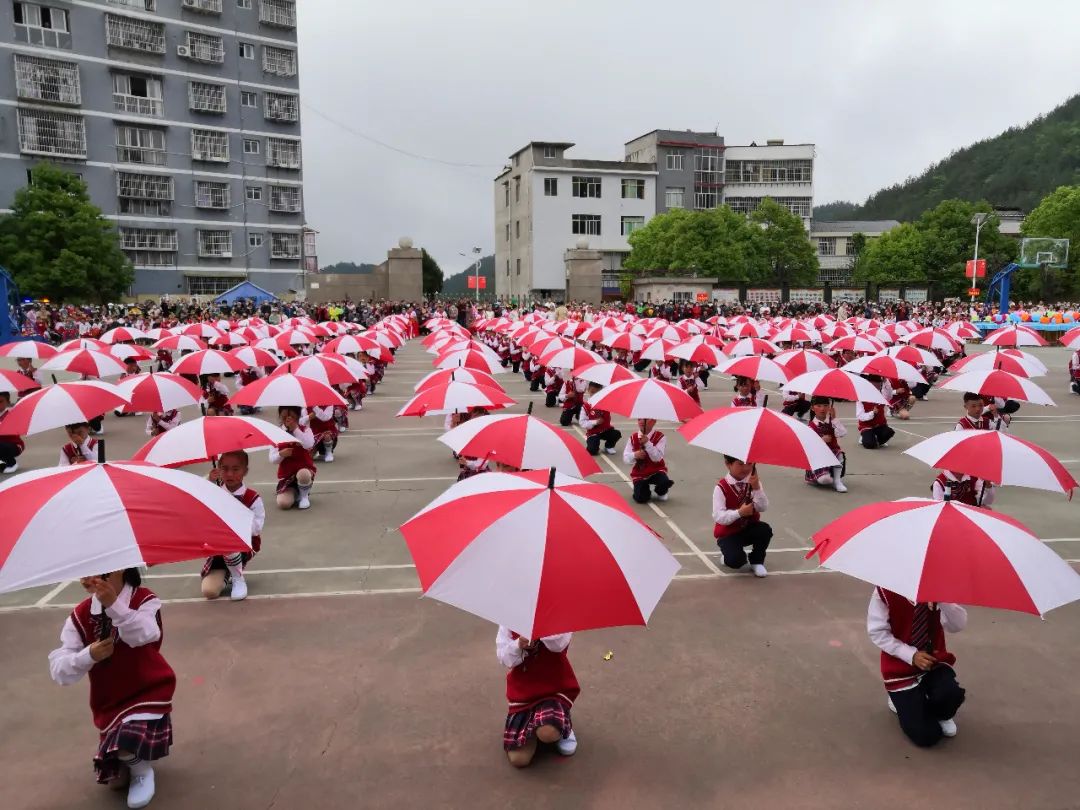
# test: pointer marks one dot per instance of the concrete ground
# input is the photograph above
(742, 692)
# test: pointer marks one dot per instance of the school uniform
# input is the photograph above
(471, 467)
(325, 430)
(796, 405)
(983, 422)
(300, 459)
(71, 453)
(1005, 409)
(515, 357)
(830, 431)
(963, 489)
(649, 472)
(246, 377)
(689, 384)
(552, 385)
(11, 447)
(597, 426)
(1074, 372)
(733, 532)
(662, 372)
(158, 423)
(164, 359)
(237, 562)
(899, 628)
(900, 396)
(217, 397)
(753, 400)
(32, 373)
(131, 691)
(534, 372)
(874, 430)
(541, 686)
(573, 395)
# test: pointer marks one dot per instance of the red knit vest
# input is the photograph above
(299, 460)
(543, 675)
(982, 423)
(573, 396)
(899, 674)
(734, 497)
(74, 454)
(744, 402)
(877, 420)
(248, 376)
(963, 490)
(132, 679)
(596, 413)
(827, 433)
(646, 467)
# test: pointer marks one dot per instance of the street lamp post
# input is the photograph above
(978, 221)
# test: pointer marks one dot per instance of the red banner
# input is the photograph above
(975, 269)
(474, 279)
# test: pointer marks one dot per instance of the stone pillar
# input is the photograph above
(404, 271)
(584, 274)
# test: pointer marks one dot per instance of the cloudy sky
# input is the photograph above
(883, 90)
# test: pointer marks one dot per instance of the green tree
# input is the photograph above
(717, 242)
(949, 241)
(858, 245)
(57, 245)
(1056, 216)
(895, 257)
(433, 276)
(783, 244)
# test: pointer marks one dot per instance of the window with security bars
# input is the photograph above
(799, 206)
(138, 94)
(205, 6)
(633, 189)
(283, 154)
(46, 26)
(209, 145)
(41, 79)
(205, 47)
(279, 61)
(147, 239)
(42, 132)
(135, 35)
(285, 199)
(138, 5)
(706, 198)
(281, 13)
(769, 171)
(826, 246)
(140, 145)
(212, 285)
(145, 208)
(131, 185)
(210, 194)
(215, 244)
(206, 97)
(284, 246)
(280, 107)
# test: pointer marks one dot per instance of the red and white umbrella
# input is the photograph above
(280, 390)
(443, 376)
(571, 328)
(946, 551)
(157, 393)
(746, 329)
(229, 339)
(323, 369)
(837, 384)
(599, 334)
(698, 351)
(548, 344)
(604, 374)
(63, 523)
(800, 361)
(207, 437)
(934, 339)
(995, 456)
(14, 382)
(159, 333)
(473, 358)
(205, 331)
(455, 397)
(130, 351)
(914, 356)
(657, 349)
(90, 362)
(83, 343)
(860, 344)
(962, 330)
(180, 343)
(251, 333)
(832, 331)
(1015, 336)
(123, 334)
(646, 399)
(797, 334)
(675, 333)
(255, 358)
(748, 346)
(885, 336)
(998, 384)
(293, 337)
(758, 435)
(34, 349)
(988, 361)
(62, 404)
(755, 368)
(523, 441)
(627, 342)
(570, 357)
(882, 365)
(1070, 340)
(355, 367)
(539, 552)
(1027, 357)
(207, 361)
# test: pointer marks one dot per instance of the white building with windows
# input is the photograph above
(545, 203)
(834, 243)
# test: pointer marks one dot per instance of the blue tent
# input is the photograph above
(245, 290)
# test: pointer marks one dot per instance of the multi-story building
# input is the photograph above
(834, 242)
(183, 119)
(546, 204)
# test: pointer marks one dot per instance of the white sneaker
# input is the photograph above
(568, 746)
(13, 468)
(824, 480)
(304, 502)
(759, 570)
(663, 497)
(239, 589)
(948, 727)
(610, 451)
(141, 789)
(892, 706)
(329, 457)
(358, 407)
(839, 486)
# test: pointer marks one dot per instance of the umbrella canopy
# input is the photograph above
(1070, 340)
(1015, 336)
(998, 384)
(123, 334)
(205, 331)
(207, 361)
(180, 343)
(884, 366)
(229, 339)
(946, 551)
(646, 399)
(758, 435)
(756, 368)
(914, 355)
(626, 341)
(837, 384)
(995, 456)
(90, 362)
(570, 357)
(455, 397)
(602, 373)
(157, 393)
(83, 343)
(287, 390)
(443, 376)
(748, 346)
(860, 344)
(962, 330)
(934, 339)
(658, 349)
(472, 358)
(255, 358)
(355, 367)
(207, 437)
(797, 334)
(34, 349)
(61, 404)
(698, 351)
(522, 441)
(539, 552)
(130, 351)
(63, 523)
(319, 367)
(746, 329)
(14, 382)
(988, 361)
(800, 361)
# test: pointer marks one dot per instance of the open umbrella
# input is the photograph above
(756, 368)
(318, 367)
(90, 362)
(157, 393)
(62, 404)
(800, 361)
(63, 523)
(657, 349)
(758, 435)
(1014, 336)
(988, 361)
(180, 343)
(123, 334)
(698, 351)
(602, 373)
(486, 361)
(1070, 340)
(523, 441)
(442, 376)
(130, 351)
(570, 357)
(287, 390)
(15, 382)
(207, 437)
(947, 551)
(255, 358)
(204, 331)
(998, 384)
(34, 349)
(207, 361)
(837, 384)
(749, 346)
(646, 399)
(934, 339)
(539, 552)
(884, 366)
(83, 343)
(913, 355)
(860, 344)
(454, 397)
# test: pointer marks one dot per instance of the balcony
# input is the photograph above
(202, 6)
(134, 35)
(138, 105)
(279, 13)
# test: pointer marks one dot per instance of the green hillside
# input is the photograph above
(1015, 169)
(458, 284)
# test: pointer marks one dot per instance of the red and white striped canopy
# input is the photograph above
(1015, 336)
(180, 343)
(626, 341)
(800, 361)
(913, 355)
(83, 343)
(34, 349)
(294, 337)
(570, 357)
(746, 329)
(442, 376)
(646, 399)
(228, 340)
(962, 330)
(657, 350)
(63, 523)
(697, 350)
(988, 361)
(758, 435)
(157, 393)
(748, 346)
(604, 374)
(996, 383)
(797, 334)
(455, 397)
(130, 351)
(90, 362)
(837, 384)
(207, 361)
(122, 334)
(860, 344)
(675, 333)
(1070, 339)
(539, 552)
(323, 369)
(207, 437)
(755, 368)
(204, 331)
(14, 382)
(255, 358)
(523, 441)
(278, 390)
(882, 365)
(935, 339)
(355, 367)
(475, 358)
(61, 404)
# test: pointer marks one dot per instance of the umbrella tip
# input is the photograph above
(529, 411)
(551, 478)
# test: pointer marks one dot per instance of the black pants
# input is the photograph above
(936, 697)
(609, 437)
(642, 486)
(876, 437)
(8, 453)
(756, 535)
(799, 408)
(1011, 406)
(534, 385)
(641, 365)
(1076, 387)
(569, 415)
(920, 390)
(95, 424)
(552, 399)
(704, 375)
(516, 364)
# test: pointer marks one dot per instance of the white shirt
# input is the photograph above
(984, 492)
(302, 434)
(863, 414)
(838, 427)
(323, 414)
(724, 516)
(511, 655)
(655, 452)
(259, 372)
(953, 619)
(89, 453)
(258, 511)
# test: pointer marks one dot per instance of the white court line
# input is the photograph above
(720, 553)
(43, 601)
(378, 480)
(909, 433)
(314, 570)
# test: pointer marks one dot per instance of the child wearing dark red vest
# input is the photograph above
(825, 424)
(81, 447)
(114, 636)
(689, 380)
(216, 395)
(645, 451)
(158, 423)
(26, 368)
(874, 430)
(975, 416)
(597, 426)
(164, 359)
(221, 572)
(737, 503)
(572, 396)
(915, 664)
(11, 447)
(247, 376)
(1074, 372)
(325, 430)
(954, 486)
(541, 689)
(796, 405)
(901, 400)
(746, 394)
(552, 385)
(296, 468)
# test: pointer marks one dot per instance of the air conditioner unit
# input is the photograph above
(183, 50)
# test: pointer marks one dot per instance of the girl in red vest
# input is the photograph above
(737, 503)
(11, 447)
(541, 689)
(874, 430)
(597, 426)
(115, 636)
(216, 395)
(296, 469)
(221, 572)
(689, 380)
(573, 394)
(747, 393)
(325, 430)
(81, 447)
(160, 422)
(246, 377)
(963, 488)
(645, 451)
(825, 424)
(915, 664)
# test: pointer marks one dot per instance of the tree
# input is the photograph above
(894, 258)
(783, 244)
(433, 277)
(57, 245)
(949, 241)
(858, 245)
(717, 242)
(1056, 216)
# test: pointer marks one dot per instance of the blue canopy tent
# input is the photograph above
(245, 290)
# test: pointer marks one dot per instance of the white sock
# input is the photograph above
(139, 767)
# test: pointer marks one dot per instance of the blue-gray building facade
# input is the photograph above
(183, 118)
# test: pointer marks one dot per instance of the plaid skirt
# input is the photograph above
(812, 475)
(146, 739)
(218, 564)
(521, 726)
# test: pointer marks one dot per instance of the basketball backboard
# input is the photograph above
(1040, 251)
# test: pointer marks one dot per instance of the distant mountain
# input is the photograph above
(348, 267)
(835, 211)
(1015, 169)
(458, 284)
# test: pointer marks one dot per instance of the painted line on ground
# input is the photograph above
(380, 480)
(43, 601)
(312, 570)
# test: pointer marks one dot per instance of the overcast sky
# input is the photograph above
(883, 90)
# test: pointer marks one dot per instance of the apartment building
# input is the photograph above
(546, 203)
(834, 242)
(183, 118)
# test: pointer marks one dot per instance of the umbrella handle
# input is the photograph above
(101, 451)
(551, 478)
